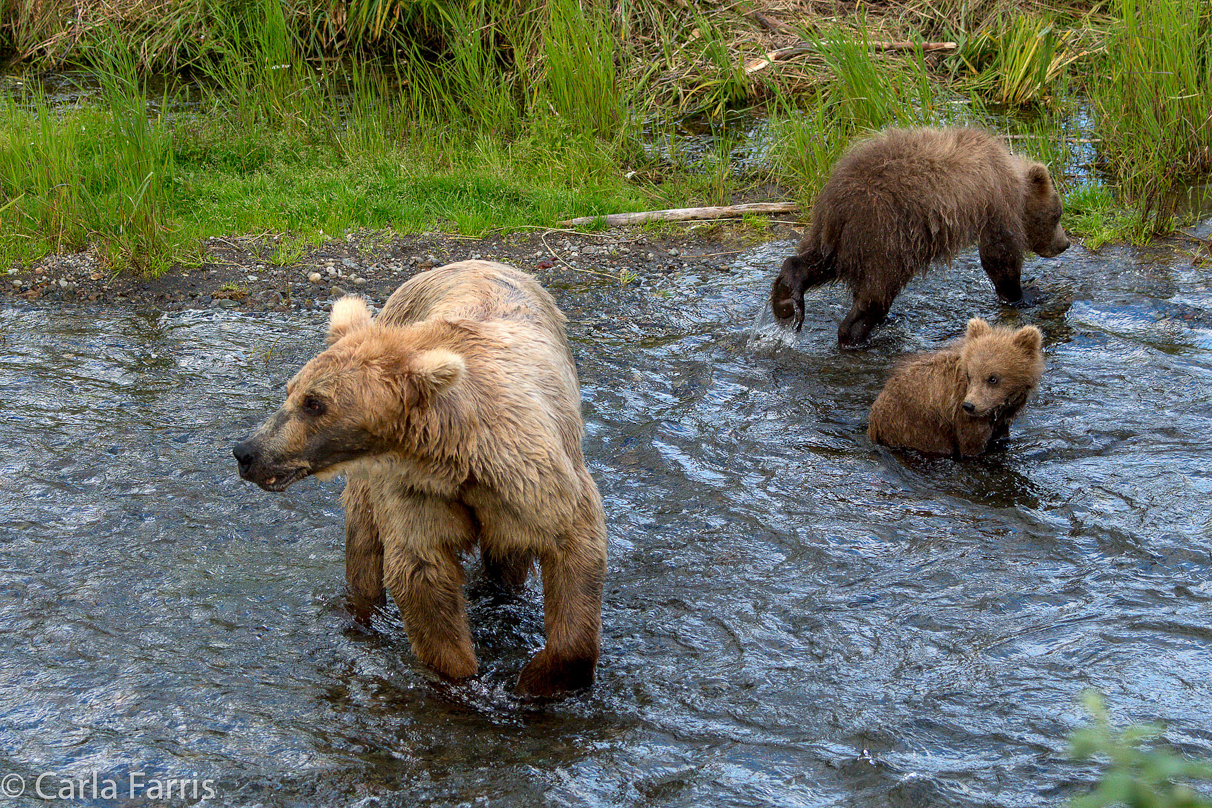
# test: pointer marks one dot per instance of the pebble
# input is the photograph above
(315, 277)
(337, 291)
(349, 263)
(675, 251)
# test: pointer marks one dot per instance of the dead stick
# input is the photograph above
(686, 214)
(800, 48)
(778, 26)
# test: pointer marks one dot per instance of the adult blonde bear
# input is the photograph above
(455, 416)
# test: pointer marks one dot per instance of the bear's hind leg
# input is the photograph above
(573, 577)
(799, 272)
(507, 570)
(363, 552)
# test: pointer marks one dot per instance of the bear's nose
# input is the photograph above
(969, 406)
(245, 454)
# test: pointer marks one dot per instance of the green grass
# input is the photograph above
(869, 93)
(496, 114)
(1153, 104)
(1017, 64)
(279, 146)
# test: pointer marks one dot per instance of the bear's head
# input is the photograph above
(1002, 367)
(1042, 212)
(348, 403)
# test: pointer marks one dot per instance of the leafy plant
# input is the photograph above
(1142, 774)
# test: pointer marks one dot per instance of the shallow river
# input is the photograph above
(792, 616)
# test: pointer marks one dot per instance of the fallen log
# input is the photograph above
(686, 214)
(800, 48)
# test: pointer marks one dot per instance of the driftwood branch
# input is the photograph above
(800, 48)
(686, 214)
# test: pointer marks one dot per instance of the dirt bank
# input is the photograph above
(237, 274)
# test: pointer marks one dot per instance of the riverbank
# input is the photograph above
(239, 273)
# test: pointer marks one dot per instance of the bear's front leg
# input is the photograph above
(423, 539)
(363, 552)
(1002, 260)
(868, 311)
(429, 592)
(573, 576)
(973, 436)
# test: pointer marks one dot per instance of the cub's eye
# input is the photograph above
(314, 406)
(993, 380)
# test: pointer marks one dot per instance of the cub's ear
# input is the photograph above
(348, 314)
(977, 328)
(433, 371)
(1038, 177)
(1029, 339)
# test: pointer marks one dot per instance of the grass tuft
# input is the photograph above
(1153, 105)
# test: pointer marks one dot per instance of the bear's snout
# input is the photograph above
(246, 455)
(253, 468)
(1060, 243)
(969, 407)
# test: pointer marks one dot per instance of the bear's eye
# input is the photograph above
(993, 380)
(314, 406)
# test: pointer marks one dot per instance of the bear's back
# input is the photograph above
(473, 290)
(918, 194)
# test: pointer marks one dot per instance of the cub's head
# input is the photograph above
(349, 402)
(1003, 367)
(1042, 212)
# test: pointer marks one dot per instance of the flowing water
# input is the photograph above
(792, 616)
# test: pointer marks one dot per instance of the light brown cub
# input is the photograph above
(959, 400)
(455, 416)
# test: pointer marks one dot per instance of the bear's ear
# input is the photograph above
(433, 371)
(1028, 338)
(977, 328)
(1038, 177)
(348, 314)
